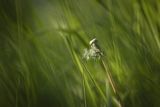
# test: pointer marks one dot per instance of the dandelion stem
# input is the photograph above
(109, 76)
(110, 79)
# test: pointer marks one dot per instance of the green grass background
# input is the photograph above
(41, 48)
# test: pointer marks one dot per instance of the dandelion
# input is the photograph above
(94, 51)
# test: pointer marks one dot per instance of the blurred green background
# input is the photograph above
(41, 49)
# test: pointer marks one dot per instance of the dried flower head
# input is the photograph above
(94, 51)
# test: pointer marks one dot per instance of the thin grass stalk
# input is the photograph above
(111, 82)
(78, 63)
(84, 93)
(95, 83)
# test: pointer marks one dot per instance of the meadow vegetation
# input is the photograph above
(42, 44)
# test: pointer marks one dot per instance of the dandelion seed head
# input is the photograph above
(94, 52)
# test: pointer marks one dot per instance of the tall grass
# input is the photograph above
(41, 49)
